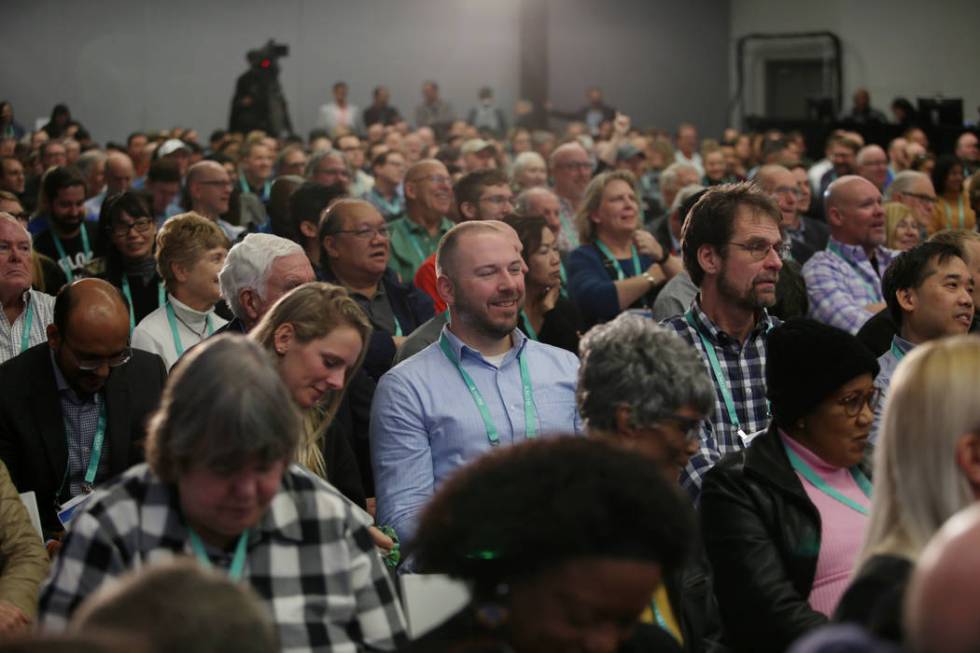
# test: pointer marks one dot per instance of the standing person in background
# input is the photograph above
(339, 114)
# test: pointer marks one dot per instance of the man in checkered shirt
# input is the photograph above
(733, 247)
(218, 487)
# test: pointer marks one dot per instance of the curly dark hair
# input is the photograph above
(528, 508)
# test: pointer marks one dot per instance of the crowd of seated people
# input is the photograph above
(463, 347)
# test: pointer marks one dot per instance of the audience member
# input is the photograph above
(306, 204)
(842, 152)
(434, 112)
(807, 236)
(914, 190)
(571, 170)
(163, 182)
(73, 410)
(329, 167)
(529, 171)
(925, 471)
(67, 238)
(902, 231)
(843, 282)
(487, 117)
(12, 177)
(339, 115)
(967, 152)
(25, 562)
(226, 422)
(861, 111)
(782, 520)
(355, 253)
(422, 432)
(428, 202)
(687, 148)
(872, 164)
(529, 565)
(678, 293)
(733, 250)
(190, 252)
(292, 160)
(387, 194)
(26, 312)
(542, 201)
(952, 211)
(118, 179)
(675, 177)
(353, 151)
(209, 188)
(380, 112)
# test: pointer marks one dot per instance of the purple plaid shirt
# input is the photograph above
(840, 282)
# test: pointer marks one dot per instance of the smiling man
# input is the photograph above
(355, 247)
(74, 407)
(843, 282)
(928, 290)
(481, 385)
(428, 202)
(733, 250)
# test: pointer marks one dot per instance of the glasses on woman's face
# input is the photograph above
(689, 426)
(141, 225)
(853, 403)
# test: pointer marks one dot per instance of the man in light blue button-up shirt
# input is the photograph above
(483, 384)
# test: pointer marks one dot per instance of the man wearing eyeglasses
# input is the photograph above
(914, 189)
(428, 203)
(74, 408)
(571, 170)
(209, 188)
(843, 282)
(732, 243)
(806, 236)
(355, 247)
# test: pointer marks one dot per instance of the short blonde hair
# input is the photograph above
(917, 482)
(183, 240)
(895, 212)
(593, 199)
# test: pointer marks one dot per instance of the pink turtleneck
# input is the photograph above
(841, 528)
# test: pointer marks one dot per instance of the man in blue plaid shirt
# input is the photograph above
(733, 248)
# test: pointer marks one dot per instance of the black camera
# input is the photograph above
(269, 52)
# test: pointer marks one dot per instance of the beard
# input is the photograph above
(478, 319)
(750, 299)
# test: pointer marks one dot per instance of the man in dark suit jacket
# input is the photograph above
(63, 396)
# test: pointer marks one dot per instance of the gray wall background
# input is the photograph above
(123, 65)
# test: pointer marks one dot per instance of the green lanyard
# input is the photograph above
(172, 318)
(530, 412)
(619, 269)
(949, 214)
(875, 295)
(807, 472)
(97, 442)
(62, 255)
(398, 325)
(726, 393)
(266, 188)
(237, 562)
(896, 352)
(564, 279)
(566, 226)
(531, 333)
(161, 298)
(25, 334)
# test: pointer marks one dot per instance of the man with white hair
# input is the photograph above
(26, 312)
(674, 177)
(914, 189)
(529, 171)
(257, 272)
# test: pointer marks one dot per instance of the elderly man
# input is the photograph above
(26, 312)
(844, 281)
(807, 236)
(494, 385)
(733, 250)
(257, 272)
(353, 150)
(74, 408)
(209, 188)
(355, 249)
(943, 594)
(329, 167)
(571, 170)
(387, 194)
(872, 164)
(428, 201)
(842, 153)
(914, 190)
(675, 177)
(118, 178)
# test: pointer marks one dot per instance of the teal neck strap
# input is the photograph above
(237, 568)
(63, 256)
(620, 275)
(814, 479)
(25, 333)
(172, 319)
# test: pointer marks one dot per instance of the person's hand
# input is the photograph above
(398, 340)
(382, 541)
(647, 245)
(621, 125)
(12, 620)
(551, 298)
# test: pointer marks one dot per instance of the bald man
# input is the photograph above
(843, 282)
(119, 175)
(74, 408)
(943, 597)
(872, 164)
(807, 236)
(209, 188)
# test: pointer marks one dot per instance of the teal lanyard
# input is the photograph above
(530, 412)
(531, 333)
(619, 269)
(63, 256)
(398, 325)
(237, 567)
(726, 393)
(25, 334)
(172, 319)
(412, 238)
(896, 352)
(814, 479)
(564, 279)
(566, 226)
(266, 188)
(949, 214)
(875, 295)
(97, 443)
(161, 298)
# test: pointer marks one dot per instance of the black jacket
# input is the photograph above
(32, 434)
(762, 536)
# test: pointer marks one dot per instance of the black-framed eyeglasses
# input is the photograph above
(141, 225)
(759, 250)
(854, 403)
(89, 364)
(365, 233)
(923, 198)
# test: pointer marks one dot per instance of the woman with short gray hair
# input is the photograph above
(219, 487)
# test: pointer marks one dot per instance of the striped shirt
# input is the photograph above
(11, 335)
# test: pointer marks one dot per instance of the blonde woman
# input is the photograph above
(927, 468)
(318, 335)
(901, 228)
